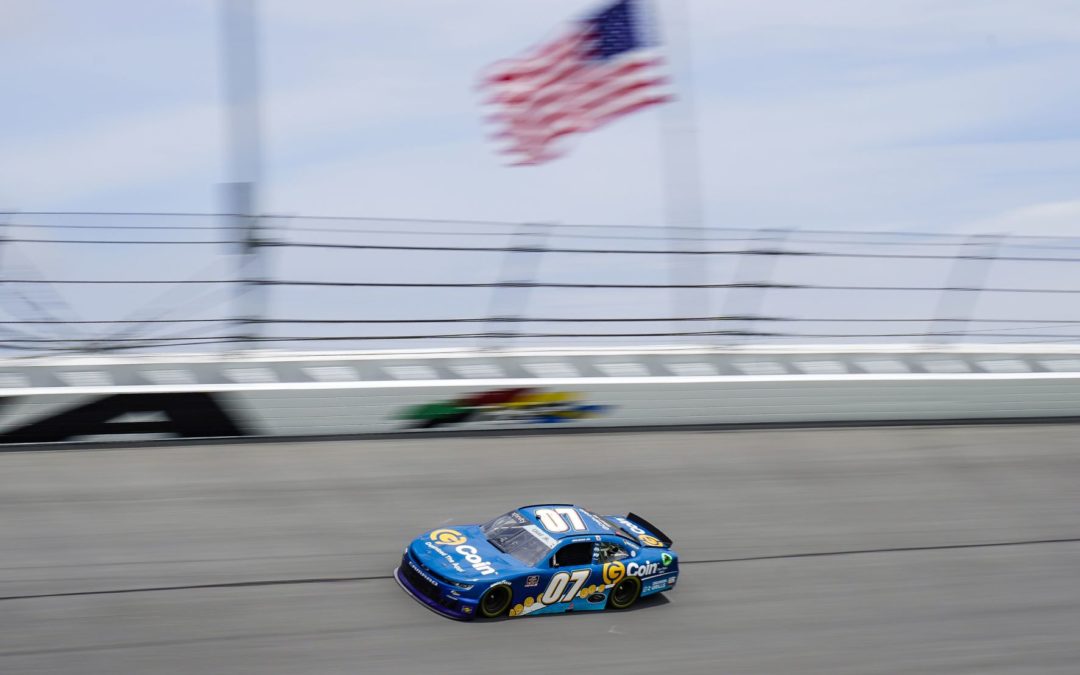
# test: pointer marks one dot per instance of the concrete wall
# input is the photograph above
(322, 394)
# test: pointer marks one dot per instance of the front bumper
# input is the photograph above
(438, 600)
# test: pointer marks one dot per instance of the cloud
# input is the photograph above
(1060, 218)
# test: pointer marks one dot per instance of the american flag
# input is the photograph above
(599, 69)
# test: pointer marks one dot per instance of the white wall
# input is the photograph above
(304, 395)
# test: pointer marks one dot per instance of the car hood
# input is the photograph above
(462, 553)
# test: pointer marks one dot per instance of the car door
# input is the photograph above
(572, 570)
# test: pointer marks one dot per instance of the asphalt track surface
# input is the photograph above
(889, 550)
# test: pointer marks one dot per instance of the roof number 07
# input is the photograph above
(560, 519)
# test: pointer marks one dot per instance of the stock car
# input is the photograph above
(538, 559)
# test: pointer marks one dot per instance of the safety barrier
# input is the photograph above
(323, 394)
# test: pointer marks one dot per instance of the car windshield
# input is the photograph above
(512, 533)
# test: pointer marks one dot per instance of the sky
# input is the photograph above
(835, 113)
(909, 115)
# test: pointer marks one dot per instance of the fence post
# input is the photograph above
(753, 272)
(5, 223)
(245, 234)
(519, 266)
(239, 52)
(967, 276)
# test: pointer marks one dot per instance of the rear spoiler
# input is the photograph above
(650, 528)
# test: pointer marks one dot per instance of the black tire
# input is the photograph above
(495, 601)
(626, 593)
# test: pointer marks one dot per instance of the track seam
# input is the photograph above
(382, 577)
(868, 551)
(421, 435)
(195, 587)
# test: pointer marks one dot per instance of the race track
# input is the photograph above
(893, 550)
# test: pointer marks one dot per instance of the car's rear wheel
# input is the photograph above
(625, 593)
(495, 601)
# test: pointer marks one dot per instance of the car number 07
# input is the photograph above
(557, 590)
(560, 519)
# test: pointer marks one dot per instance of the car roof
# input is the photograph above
(591, 521)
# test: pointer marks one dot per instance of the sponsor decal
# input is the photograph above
(450, 537)
(596, 519)
(518, 517)
(478, 563)
(176, 414)
(466, 609)
(629, 525)
(649, 540)
(614, 572)
(518, 405)
(532, 581)
(535, 531)
(666, 559)
(449, 558)
(423, 574)
(642, 569)
(657, 585)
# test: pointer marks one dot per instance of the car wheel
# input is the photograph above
(625, 593)
(495, 601)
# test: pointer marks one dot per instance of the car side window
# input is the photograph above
(610, 551)
(579, 553)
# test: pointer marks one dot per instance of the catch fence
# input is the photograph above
(94, 282)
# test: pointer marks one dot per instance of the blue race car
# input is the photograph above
(539, 559)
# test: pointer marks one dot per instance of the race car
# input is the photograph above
(539, 559)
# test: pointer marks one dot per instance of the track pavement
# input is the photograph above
(889, 550)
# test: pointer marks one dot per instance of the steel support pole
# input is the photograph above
(754, 271)
(519, 266)
(240, 63)
(956, 304)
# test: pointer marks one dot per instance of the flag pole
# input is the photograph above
(681, 167)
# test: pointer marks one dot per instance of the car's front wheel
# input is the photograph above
(495, 601)
(625, 593)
